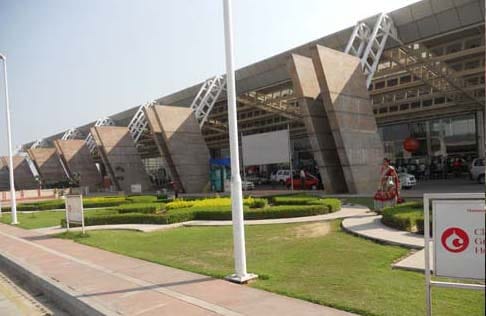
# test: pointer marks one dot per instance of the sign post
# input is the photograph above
(458, 222)
(74, 211)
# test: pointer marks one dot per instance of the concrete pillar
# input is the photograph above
(307, 89)
(48, 165)
(181, 144)
(351, 120)
(481, 132)
(77, 159)
(121, 158)
(24, 179)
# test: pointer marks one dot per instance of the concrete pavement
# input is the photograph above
(90, 281)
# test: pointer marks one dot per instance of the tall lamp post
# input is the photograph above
(13, 200)
(240, 275)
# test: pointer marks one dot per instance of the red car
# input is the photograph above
(311, 182)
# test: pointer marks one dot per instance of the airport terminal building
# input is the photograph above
(346, 100)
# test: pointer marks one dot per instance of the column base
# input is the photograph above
(241, 280)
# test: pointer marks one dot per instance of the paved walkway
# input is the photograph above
(343, 213)
(346, 211)
(371, 227)
(119, 285)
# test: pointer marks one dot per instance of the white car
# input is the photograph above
(280, 176)
(477, 170)
(247, 185)
(407, 180)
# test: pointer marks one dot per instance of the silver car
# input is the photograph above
(477, 170)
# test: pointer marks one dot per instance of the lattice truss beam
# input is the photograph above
(418, 60)
(90, 142)
(138, 126)
(72, 133)
(369, 43)
(41, 142)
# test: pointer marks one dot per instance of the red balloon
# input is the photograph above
(411, 144)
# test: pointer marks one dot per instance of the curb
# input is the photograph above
(63, 297)
(380, 241)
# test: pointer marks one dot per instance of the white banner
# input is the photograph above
(266, 148)
(74, 209)
(459, 238)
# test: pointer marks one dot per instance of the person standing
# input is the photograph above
(302, 178)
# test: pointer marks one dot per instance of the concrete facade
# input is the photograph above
(180, 142)
(324, 150)
(121, 158)
(48, 165)
(77, 160)
(350, 116)
(24, 179)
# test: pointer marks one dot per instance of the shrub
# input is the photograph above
(406, 216)
(142, 198)
(139, 208)
(214, 202)
(129, 218)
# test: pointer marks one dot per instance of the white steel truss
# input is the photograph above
(206, 98)
(39, 143)
(71, 133)
(138, 125)
(90, 142)
(368, 45)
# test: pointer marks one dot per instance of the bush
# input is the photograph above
(406, 216)
(146, 208)
(214, 202)
(142, 198)
(129, 218)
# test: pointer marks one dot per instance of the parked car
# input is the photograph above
(247, 185)
(477, 170)
(407, 180)
(256, 179)
(311, 182)
(280, 176)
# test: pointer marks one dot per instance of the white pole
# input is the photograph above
(9, 136)
(241, 274)
(428, 289)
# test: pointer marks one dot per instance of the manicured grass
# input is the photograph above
(46, 218)
(299, 260)
(365, 201)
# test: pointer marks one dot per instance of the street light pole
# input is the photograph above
(240, 275)
(13, 201)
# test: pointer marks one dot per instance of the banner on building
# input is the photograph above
(266, 148)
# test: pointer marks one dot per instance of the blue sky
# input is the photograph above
(71, 62)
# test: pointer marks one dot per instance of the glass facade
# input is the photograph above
(441, 141)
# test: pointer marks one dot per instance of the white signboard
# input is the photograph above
(74, 210)
(136, 188)
(266, 148)
(459, 238)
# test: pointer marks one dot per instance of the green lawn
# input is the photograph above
(45, 218)
(299, 260)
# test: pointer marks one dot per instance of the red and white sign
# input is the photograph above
(459, 238)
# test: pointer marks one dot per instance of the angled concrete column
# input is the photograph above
(180, 142)
(48, 165)
(307, 90)
(24, 179)
(121, 158)
(353, 125)
(4, 179)
(77, 159)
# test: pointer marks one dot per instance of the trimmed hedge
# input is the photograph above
(407, 216)
(145, 208)
(213, 213)
(141, 198)
(89, 202)
(215, 202)
(334, 204)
